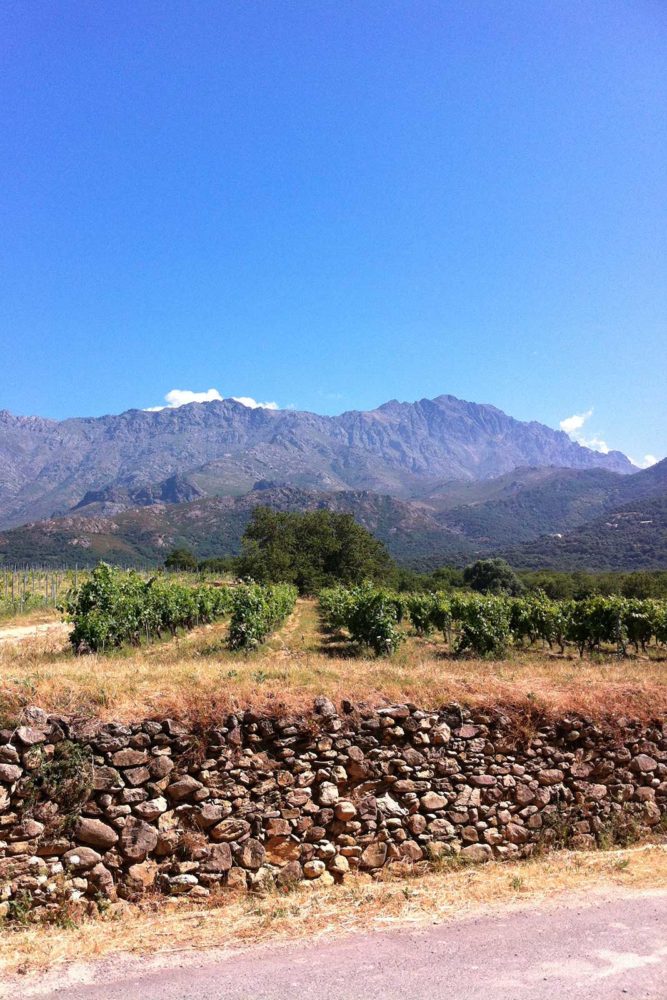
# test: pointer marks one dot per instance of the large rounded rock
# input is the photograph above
(152, 809)
(9, 773)
(217, 858)
(431, 801)
(210, 814)
(289, 875)
(81, 858)
(230, 829)
(375, 855)
(95, 832)
(183, 789)
(328, 795)
(345, 810)
(142, 876)
(550, 776)
(137, 839)
(252, 854)
(477, 853)
(30, 737)
(160, 767)
(643, 764)
(106, 778)
(314, 869)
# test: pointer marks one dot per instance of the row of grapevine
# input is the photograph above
(370, 615)
(485, 625)
(114, 607)
(257, 610)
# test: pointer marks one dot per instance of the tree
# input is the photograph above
(312, 550)
(492, 576)
(181, 559)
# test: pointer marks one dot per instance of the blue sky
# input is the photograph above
(331, 204)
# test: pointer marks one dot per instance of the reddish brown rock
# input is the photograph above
(374, 856)
(216, 858)
(431, 801)
(95, 833)
(9, 773)
(550, 776)
(137, 839)
(252, 854)
(183, 789)
(129, 758)
(643, 764)
(230, 829)
(81, 858)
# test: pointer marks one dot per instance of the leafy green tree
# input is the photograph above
(182, 559)
(492, 576)
(312, 550)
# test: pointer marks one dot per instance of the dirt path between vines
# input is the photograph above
(20, 633)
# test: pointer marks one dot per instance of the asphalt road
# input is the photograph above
(614, 948)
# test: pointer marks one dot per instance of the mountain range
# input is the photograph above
(438, 481)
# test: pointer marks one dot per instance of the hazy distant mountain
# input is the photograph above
(631, 538)
(223, 448)
(560, 518)
(213, 527)
(527, 503)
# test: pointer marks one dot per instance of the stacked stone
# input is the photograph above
(261, 800)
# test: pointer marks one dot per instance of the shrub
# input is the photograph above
(421, 609)
(370, 615)
(256, 611)
(113, 607)
(484, 624)
(597, 620)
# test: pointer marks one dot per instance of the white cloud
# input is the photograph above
(595, 443)
(646, 462)
(181, 397)
(572, 426)
(575, 422)
(253, 404)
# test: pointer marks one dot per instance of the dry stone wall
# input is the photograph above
(92, 811)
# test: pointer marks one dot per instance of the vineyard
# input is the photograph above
(113, 608)
(489, 625)
(25, 590)
(110, 608)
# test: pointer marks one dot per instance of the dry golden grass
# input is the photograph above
(36, 616)
(237, 920)
(195, 677)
